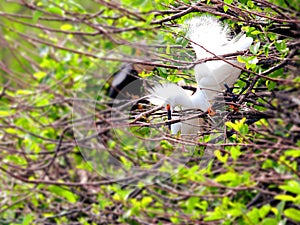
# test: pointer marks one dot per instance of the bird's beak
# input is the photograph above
(169, 113)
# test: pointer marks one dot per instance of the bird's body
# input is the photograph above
(210, 38)
(175, 96)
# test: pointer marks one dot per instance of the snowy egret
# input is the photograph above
(171, 96)
(209, 38)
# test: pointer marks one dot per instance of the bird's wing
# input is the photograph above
(217, 73)
(169, 93)
(236, 44)
(239, 43)
(212, 76)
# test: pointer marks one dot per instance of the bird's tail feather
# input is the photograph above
(241, 42)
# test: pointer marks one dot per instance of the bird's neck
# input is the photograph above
(183, 100)
(200, 100)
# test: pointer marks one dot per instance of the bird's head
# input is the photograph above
(170, 96)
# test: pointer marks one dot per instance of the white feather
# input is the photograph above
(210, 37)
(169, 93)
(176, 96)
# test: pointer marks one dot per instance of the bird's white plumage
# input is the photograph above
(169, 93)
(207, 32)
(209, 37)
(176, 96)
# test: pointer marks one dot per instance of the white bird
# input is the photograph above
(208, 38)
(172, 96)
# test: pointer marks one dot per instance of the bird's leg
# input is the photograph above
(235, 97)
(232, 100)
(169, 113)
(211, 111)
(244, 88)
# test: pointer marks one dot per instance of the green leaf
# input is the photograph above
(76, 6)
(221, 158)
(66, 27)
(254, 48)
(192, 202)
(293, 214)
(250, 4)
(24, 92)
(225, 7)
(292, 153)
(229, 176)
(149, 19)
(272, 36)
(253, 216)
(244, 129)
(55, 10)
(146, 201)
(269, 221)
(270, 85)
(241, 59)
(6, 112)
(239, 126)
(166, 145)
(280, 207)
(138, 2)
(28, 219)
(281, 46)
(252, 60)
(291, 186)
(285, 198)
(11, 130)
(40, 75)
(168, 49)
(36, 16)
(211, 216)
(42, 102)
(267, 49)
(235, 152)
(263, 211)
(68, 195)
(132, 211)
(125, 162)
(174, 219)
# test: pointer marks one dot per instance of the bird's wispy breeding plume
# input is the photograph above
(210, 39)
